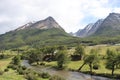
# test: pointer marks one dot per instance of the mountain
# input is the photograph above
(84, 32)
(110, 26)
(95, 27)
(42, 24)
(89, 29)
(36, 34)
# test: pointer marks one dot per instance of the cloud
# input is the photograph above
(70, 14)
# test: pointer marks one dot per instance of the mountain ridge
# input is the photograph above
(47, 23)
(103, 27)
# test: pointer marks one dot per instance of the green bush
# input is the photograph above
(55, 77)
(42, 64)
(16, 60)
(29, 71)
(31, 76)
(45, 75)
(10, 66)
(20, 71)
(2, 56)
(96, 67)
(6, 70)
(24, 68)
(14, 67)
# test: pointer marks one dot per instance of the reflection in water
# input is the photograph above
(69, 75)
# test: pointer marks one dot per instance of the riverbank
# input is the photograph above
(102, 71)
(69, 75)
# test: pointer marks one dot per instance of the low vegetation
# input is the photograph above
(100, 60)
(55, 77)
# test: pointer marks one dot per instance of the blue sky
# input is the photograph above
(70, 14)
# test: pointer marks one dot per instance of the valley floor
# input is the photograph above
(73, 65)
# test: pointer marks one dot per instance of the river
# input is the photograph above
(68, 75)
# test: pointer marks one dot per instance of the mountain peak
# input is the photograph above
(89, 29)
(114, 14)
(50, 18)
(47, 23)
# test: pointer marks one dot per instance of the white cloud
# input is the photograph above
(117, 10)
(68, 13)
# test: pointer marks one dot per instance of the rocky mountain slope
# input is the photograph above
(110, 26)
(42, 24)
(84, 32)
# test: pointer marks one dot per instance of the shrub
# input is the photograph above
(24, 68)
(31, 77)
(10, 66)
(20, 71)
(42, 64)
(16, 60)
(55, 77)
(6, 70)
(2, 56)
(96, 67)
(28, 71)
(75, 57)
(14, 67)
(44, 75)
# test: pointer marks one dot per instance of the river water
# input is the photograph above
(68, 75)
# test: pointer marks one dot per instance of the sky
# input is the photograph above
(72, 15)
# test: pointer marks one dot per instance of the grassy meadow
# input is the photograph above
(74, 65)
(11, 74)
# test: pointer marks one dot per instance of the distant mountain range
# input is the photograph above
(48, 32)
(35, 34)
(109, 27)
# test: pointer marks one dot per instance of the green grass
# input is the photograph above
(74, 65)
(101, 48)
(11, 74)
(102, 51)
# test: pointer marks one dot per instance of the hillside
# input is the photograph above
(35, 36)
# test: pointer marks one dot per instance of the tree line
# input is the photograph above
(60, 54)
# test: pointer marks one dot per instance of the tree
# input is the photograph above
(113, 59)
(35, 56)
(91, 59)
(16, 60)
(51, 51)
(79, 50)
(62, 59)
